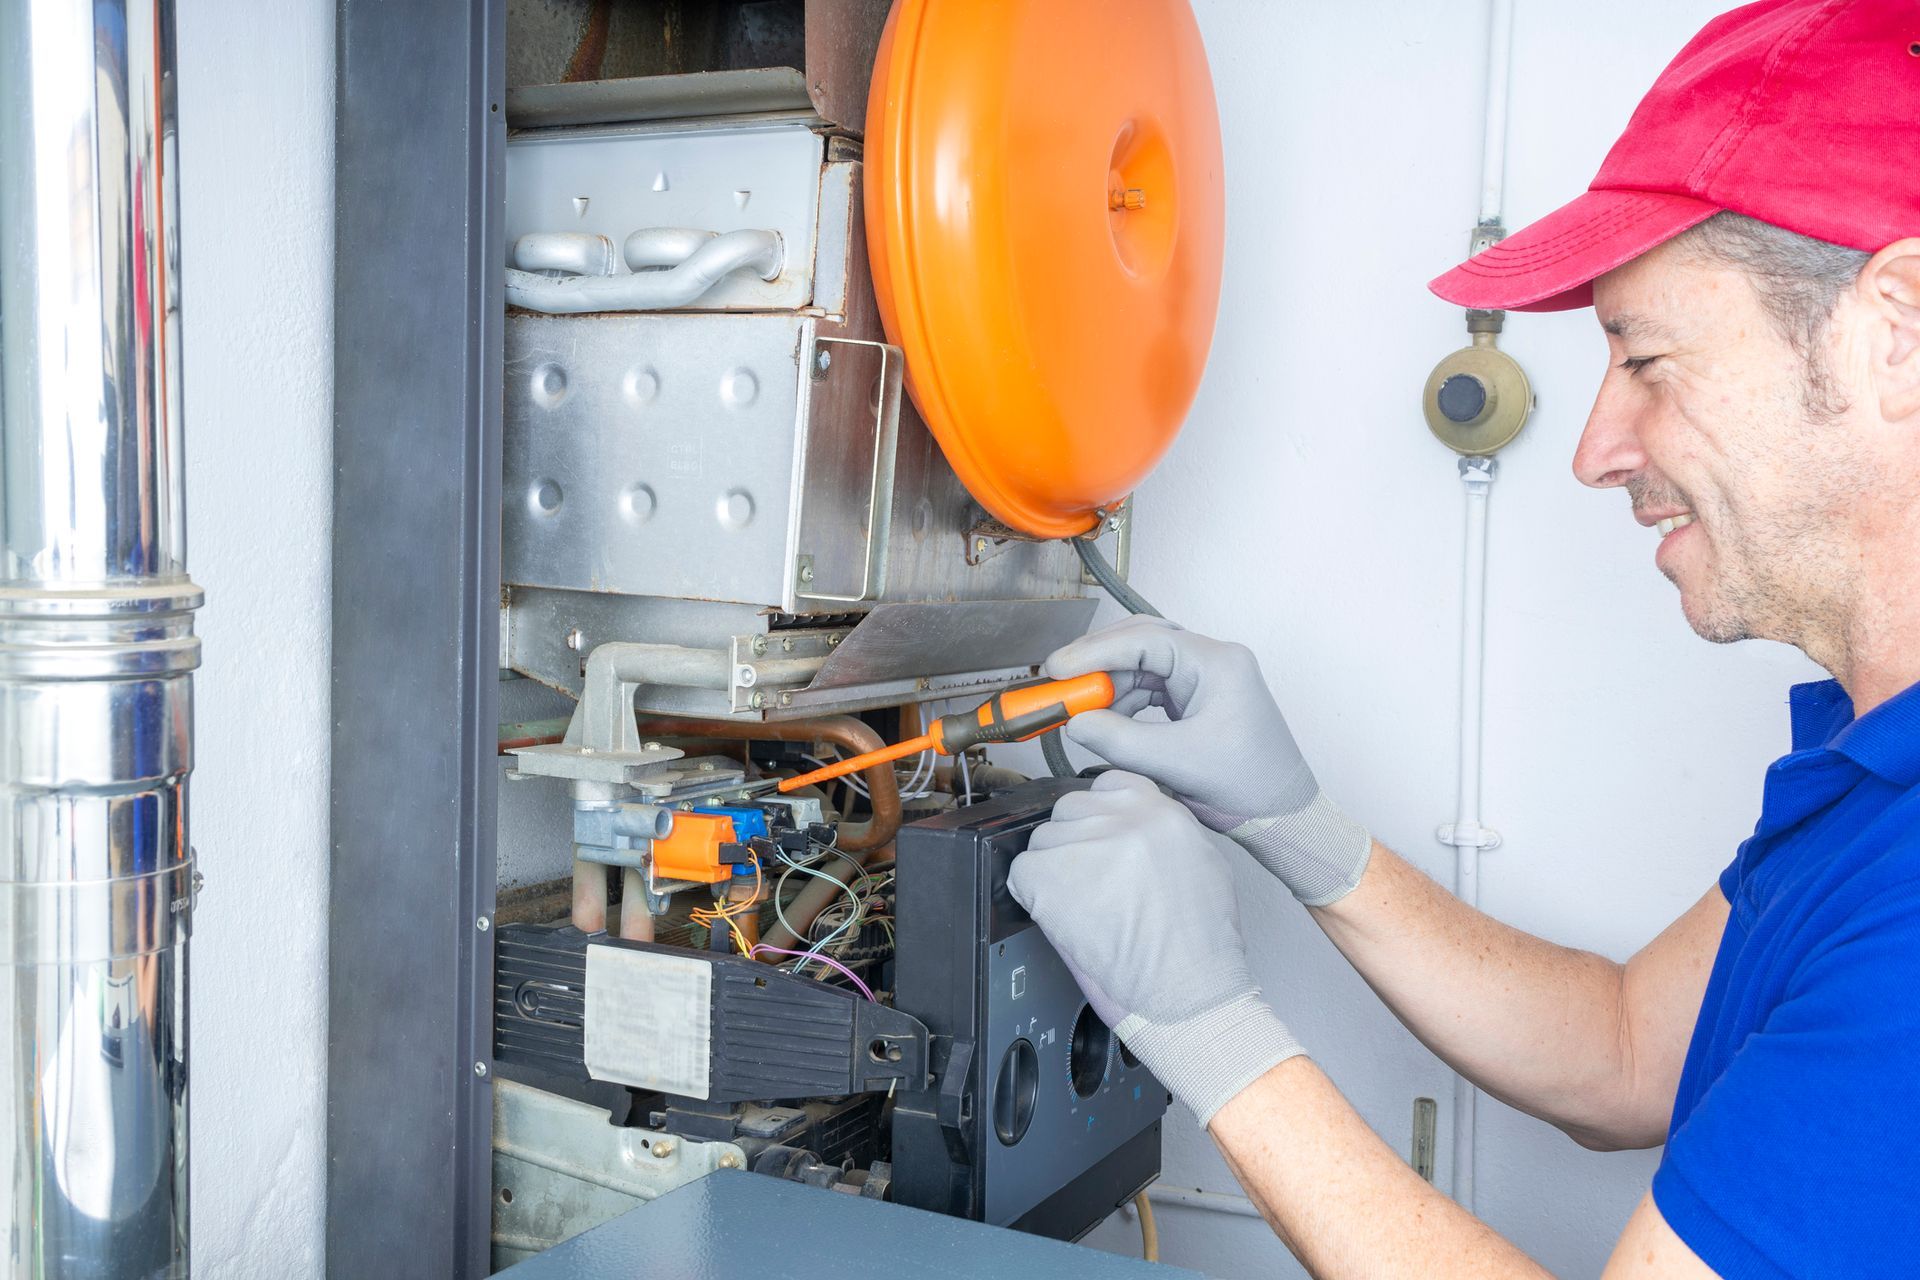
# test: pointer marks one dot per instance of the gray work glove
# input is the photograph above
(1225, 749)
(1127, 887)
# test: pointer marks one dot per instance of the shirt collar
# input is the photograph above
(1885, 741)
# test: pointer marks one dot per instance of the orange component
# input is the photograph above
(1046, 214)
(691, 849)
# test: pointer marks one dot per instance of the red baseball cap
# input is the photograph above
(1801, 113)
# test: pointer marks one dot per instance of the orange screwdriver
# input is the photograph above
(1012, 715)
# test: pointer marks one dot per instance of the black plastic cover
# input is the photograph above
(771, 1035)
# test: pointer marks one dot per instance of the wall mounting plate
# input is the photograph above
(1046, 212)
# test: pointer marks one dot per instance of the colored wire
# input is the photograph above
(731, 912)
(821, 875)
(966, 781)
(853, 977)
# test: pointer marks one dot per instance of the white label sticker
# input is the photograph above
(647, 1019)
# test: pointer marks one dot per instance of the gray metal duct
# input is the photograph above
(96, 646)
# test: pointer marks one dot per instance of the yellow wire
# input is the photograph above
(701, 915)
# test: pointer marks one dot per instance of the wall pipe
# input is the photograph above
(1467, 836)
(97, 649)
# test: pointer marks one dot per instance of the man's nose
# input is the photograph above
(1610, 450)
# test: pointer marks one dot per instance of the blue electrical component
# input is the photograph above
(747, 823)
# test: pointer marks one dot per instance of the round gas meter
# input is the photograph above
(1045, 215)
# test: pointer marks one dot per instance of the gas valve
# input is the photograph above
(1477, 399)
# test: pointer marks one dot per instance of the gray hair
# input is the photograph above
(1799, 281)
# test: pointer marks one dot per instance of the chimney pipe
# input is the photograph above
(96, 646)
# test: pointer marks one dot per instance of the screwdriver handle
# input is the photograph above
(1015, 715)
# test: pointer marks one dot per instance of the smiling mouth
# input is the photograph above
(1671, 523)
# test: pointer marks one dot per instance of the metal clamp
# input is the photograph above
(72, 921)
(886, 439)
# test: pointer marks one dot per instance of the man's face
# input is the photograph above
(1707, 418)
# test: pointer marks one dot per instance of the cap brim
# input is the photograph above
(1550, 265)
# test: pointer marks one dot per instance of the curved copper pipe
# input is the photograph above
(845, 732)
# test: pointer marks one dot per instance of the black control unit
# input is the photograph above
(1035, 1118)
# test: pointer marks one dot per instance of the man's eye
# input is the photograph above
(1634, 364)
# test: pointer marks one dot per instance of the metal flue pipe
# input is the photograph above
(96, 647)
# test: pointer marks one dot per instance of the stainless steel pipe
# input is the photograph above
(96, 646)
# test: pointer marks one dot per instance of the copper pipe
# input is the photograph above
(845, 732)
(590, 895)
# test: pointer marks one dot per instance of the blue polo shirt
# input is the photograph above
(1792, 1149)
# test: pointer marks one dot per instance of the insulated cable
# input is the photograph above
(1149, 1229)
(1107, 576)
(1052, 746)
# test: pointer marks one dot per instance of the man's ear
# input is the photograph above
(1890, 286)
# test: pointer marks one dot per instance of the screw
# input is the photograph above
(979, 546)
(786, 644)
(746, 677)
(833, 642)
(786, 699)
(663, 1148)
(706, 766)
(480, 1069)
(822, 361)
(575, 639)
(729, 1161)
(806, 573)
(649, 746)
(1113, 524)
(759, 646)
(758, 701)
(483, 924)
(1131, 198)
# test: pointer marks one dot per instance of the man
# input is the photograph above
(1750, 249)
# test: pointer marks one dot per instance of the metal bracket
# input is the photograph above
(1468, 837)
(768, 670)
(886, 442)
(989, 537)
(1117, 520)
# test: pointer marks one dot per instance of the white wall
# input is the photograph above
(256, 164)
(1306, 511)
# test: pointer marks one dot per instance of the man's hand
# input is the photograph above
(1140, 904)
(1225, 749)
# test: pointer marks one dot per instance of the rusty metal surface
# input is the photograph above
(842, 38)
(589, 62)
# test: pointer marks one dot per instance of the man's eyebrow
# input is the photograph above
(1631, 328)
